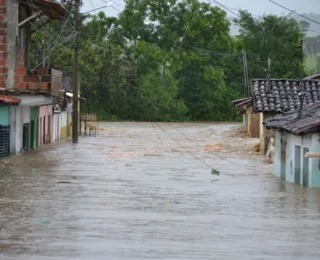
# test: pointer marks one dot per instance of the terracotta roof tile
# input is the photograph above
(282, 95)
(307, 122)
(9, 100)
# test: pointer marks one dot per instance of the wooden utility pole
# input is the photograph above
(301, 61)
(75, 107)
(268, 75)
(245, 71)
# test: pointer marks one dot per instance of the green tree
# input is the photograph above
(274, 37)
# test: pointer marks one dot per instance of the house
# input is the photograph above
(296, 134)
(251, 121)
(30, 121)
(282, 96)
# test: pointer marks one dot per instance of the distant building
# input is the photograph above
(251, 121)
(297, 133)
(282, 96)
(30, 121)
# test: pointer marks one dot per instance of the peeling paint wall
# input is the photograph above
(45, 126)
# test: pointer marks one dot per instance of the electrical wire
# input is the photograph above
(223, 6)
(55, 43)
(154, 128)
(314, 21)
(35, 9)
(215, 154)
(193, 155)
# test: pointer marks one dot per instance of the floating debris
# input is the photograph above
(215, 172)
(42, 221)
(211, 148)
(45, 221)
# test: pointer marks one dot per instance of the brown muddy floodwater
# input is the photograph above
(144, 191)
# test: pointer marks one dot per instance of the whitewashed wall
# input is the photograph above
(277, 154)
(56, 127)
(314, 163)
(311, 142)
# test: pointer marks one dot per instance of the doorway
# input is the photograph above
(305, 168)
(283, 157)
(40, 134)
(49, 130)
(44, 131)
(297, 164)
(25, 137)
(32, 135)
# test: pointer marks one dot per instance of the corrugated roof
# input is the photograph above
(282, 95)
(307, 121)
(9, 100)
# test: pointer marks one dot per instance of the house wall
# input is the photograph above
(4, 115)
(277, 154)
(34, 136)
(25, 119)
(66, 125)
(45, 124)
(15, 129)
(252, 123)
(314, 163)
(244, 121)
(248, 117)
(265, 134)
(34, 100)
(56, 127)
(8, 56)
(311, 142)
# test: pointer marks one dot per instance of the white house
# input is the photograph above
(297, 133)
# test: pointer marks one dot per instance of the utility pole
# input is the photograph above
(245, 71)
(75, 107)
(301, 62)
(268, 75)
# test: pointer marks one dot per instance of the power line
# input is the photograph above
(93, 7)
(295, 12)
(199, 159)
(223, 6)
(154, 128)
(55, 43)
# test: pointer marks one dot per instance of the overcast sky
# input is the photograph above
(257, 7)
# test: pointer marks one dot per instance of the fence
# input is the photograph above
(4, 141)
(89, 122)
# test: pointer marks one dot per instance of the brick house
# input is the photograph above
(30, 121)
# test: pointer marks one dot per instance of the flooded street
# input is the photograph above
(145, 191)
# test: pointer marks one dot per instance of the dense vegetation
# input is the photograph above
(171, 60)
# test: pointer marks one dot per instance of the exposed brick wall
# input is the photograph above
(3, 44)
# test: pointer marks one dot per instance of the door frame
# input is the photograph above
(305, 168)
